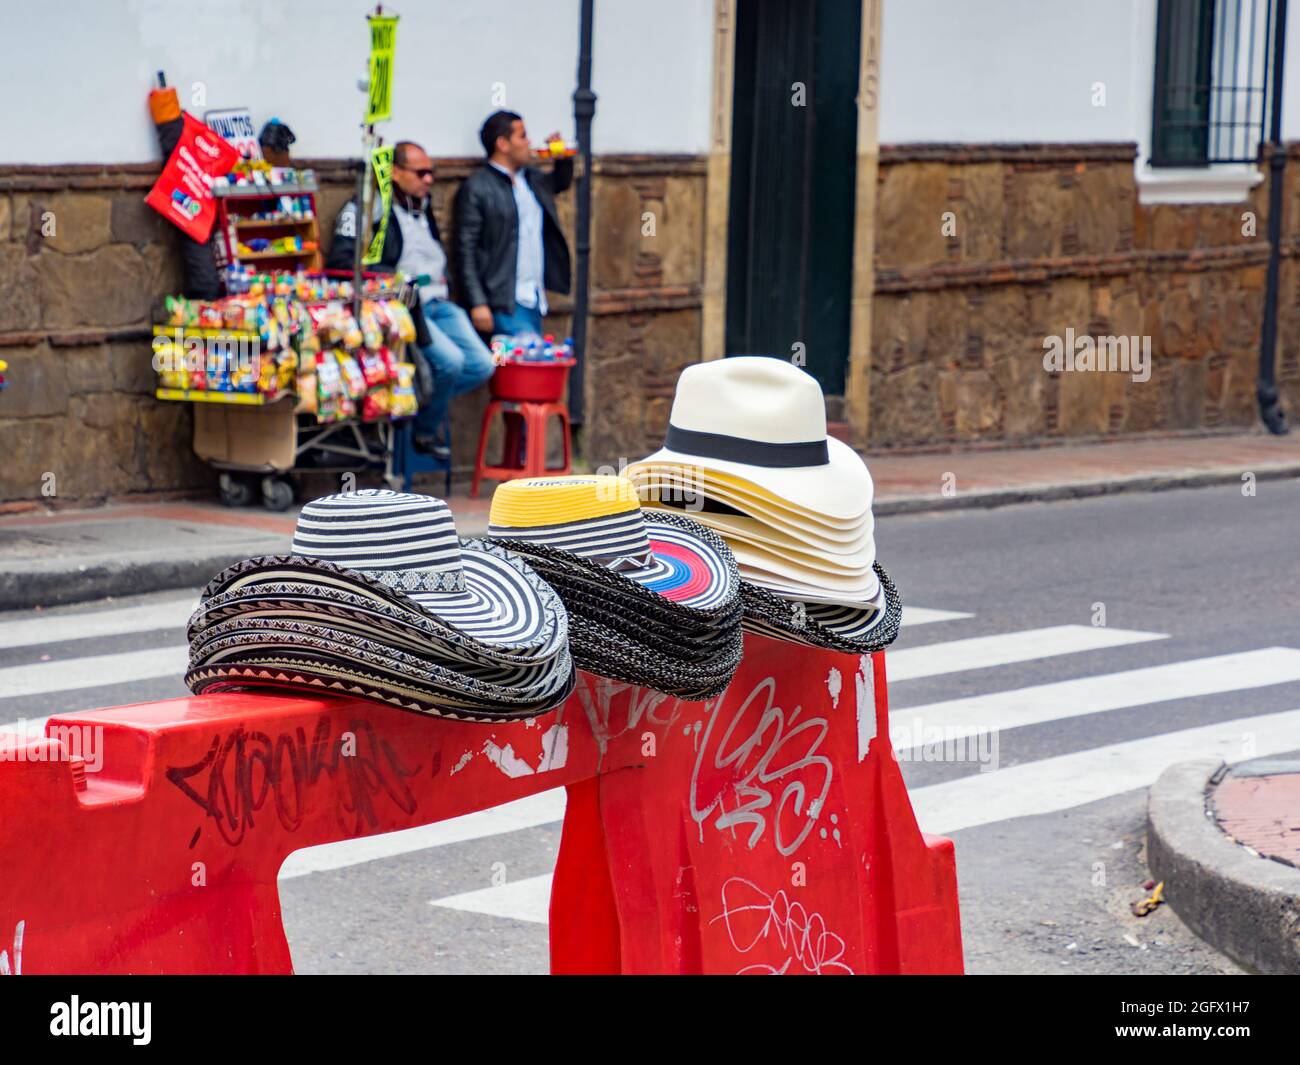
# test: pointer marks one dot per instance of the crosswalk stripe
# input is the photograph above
(544, 808)
(1070, 780)
(53, 628)
(980, 652)
(94, 671)
(1097, 694)
(920, 615)
(519, 900)
(28, 726)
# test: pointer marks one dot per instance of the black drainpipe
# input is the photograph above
(584, 107)
(1270, 409)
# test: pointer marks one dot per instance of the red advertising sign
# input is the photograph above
(183, 192)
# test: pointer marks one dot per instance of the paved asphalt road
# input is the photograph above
(1049, 846)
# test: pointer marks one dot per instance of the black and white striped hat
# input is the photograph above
(381, 598)
(408, 543)
(854, 630)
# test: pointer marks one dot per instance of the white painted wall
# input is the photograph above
(1011, 70)
(76, 72)
(1024, 70)
(1291, 78)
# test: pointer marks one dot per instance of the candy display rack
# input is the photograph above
(286, 378)
(269, 226)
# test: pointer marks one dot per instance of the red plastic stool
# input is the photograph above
(524, 453)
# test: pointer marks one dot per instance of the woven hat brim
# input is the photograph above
(292, 676)
(356, 611)
(860, 632)
(409, 672)
(261, 633)
(604, 652)
(695, 645)
(531, 618)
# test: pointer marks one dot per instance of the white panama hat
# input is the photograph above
(691, 490)
(764, 420)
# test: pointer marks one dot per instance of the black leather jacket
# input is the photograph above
(487, 235)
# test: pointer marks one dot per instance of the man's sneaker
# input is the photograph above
(429, 445)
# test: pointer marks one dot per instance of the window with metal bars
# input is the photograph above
(1213, 61)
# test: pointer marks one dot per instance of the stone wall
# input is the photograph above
(83, 261)
(76, 301)
(646, 299)
(1049, 238)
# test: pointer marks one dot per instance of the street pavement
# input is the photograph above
(1092, 643)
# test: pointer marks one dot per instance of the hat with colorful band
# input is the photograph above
(667, 618)
(598, 522)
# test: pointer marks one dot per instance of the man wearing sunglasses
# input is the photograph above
(459, 358)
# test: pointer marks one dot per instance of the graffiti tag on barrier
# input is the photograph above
(245, 771)
(752, 916)
(768, 764)
(614, 708)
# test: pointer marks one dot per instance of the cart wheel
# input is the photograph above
(277, 493)
(234, 491)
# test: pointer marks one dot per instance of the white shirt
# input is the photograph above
(421, 254)
(529, 288)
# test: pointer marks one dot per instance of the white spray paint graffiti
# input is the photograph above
(601, 706)
(751, 916)
(769, 764)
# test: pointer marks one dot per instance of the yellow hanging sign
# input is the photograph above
(383, 43)
(381, 162)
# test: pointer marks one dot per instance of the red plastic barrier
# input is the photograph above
(767, 830)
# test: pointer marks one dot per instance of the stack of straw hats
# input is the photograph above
(382, 600)
(747, 455)
(653, 599)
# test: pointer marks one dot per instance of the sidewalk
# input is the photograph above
(912, 483)
(1226, 842)
(72, 556)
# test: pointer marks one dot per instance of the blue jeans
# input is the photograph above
(459, 359)
(521, 320)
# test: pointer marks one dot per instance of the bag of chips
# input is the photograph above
(354, 382)
(403, 404)
(373, 368)
(376, 404)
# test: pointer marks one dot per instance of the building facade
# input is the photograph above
(914, 199)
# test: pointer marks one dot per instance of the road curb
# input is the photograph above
(1242, 904)
(1047, 493)
(99, 577)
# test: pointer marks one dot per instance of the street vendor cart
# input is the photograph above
(292, 372)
